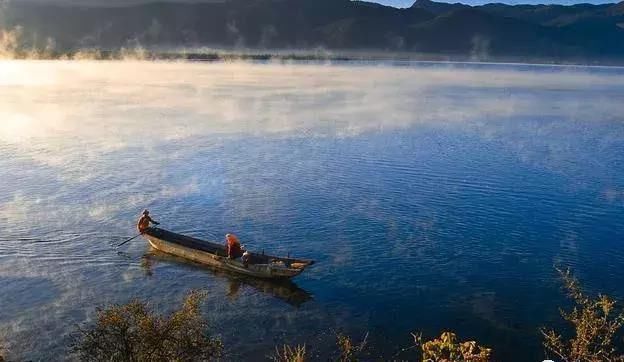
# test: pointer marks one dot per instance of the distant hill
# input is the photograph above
(582, 32)
(438, 8)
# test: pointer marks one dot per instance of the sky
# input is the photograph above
(395, 3)
(407, 3)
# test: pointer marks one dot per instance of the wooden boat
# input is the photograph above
(205, 252)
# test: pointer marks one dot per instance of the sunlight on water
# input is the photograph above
(425, 191)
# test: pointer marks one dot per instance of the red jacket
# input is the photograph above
(233, 246)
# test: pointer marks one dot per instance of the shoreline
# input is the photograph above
(225, 55)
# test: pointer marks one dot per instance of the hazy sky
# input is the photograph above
(396, 3)
(406, 3)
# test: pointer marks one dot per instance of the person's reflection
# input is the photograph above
(146, 265)
(233, 288)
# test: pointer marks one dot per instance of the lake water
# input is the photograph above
(432, 196)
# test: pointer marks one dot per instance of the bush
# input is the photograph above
(133, 332)
(596, 322)
(448, 349)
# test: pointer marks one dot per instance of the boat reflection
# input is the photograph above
(286, 290)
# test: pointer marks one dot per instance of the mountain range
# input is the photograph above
(582, 32)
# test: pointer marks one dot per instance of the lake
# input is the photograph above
(433, 196)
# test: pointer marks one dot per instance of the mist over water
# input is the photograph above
(433, 196)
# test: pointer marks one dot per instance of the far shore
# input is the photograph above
(319, 55)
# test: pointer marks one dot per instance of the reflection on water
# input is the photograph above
(286, 291)
(432, 196)
(146, 264)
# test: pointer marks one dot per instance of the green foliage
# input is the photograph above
(289, 354)
(596, 322)
(448, 349)
(133, 332)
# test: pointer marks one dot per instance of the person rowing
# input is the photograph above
(144, 222)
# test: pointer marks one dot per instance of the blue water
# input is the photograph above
(432, 196)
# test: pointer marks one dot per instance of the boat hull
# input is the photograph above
(265, 271)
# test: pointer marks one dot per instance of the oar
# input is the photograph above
(132, 238)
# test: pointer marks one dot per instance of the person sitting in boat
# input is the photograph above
(246, 258)
(144, 222)
(233, 246)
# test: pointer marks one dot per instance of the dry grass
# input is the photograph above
(3, 351)
(289, 354)
(595, 321)
(349, 351)
(133, 332)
